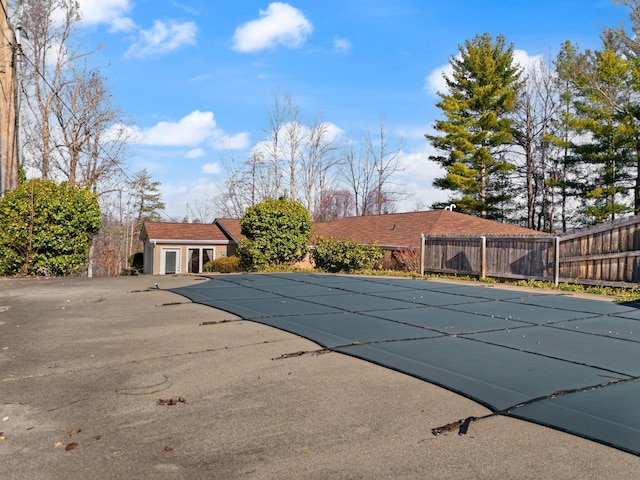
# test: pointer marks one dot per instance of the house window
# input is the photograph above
(198, 257)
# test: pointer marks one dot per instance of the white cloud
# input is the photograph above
(211, 168)
(193, 130)
(412, 132)
(333, 132)
(279, 24)
(261, 149)
(111, 12)
(195, 153)
(222, 141)
(526, 61)
(417, 176)
(120, 131)
(163, 38)
(341, 45)
(190, 131)
(177, 195)
(435, 81)
(417, 167)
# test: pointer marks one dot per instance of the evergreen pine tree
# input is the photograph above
(476, 130)
(606, 133)
(146, 197)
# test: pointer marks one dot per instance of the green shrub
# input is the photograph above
(46, 228)
(223, 265)
(344, 255)
(277, 233)
(136, 261)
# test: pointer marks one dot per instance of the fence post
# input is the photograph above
(556, 268)
(483, 257)
(422, 254)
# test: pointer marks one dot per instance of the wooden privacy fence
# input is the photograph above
(607, 254)
(603, 255)
(516, 257)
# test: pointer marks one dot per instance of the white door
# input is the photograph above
(170, 261)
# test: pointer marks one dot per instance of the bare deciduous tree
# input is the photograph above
(92, 133)
(332, 205)
(245, 185)
(358, 174)
(276, 118)
(323, 172)
(46, 56)
(71, 130)
(201, 211)
(385, 159)
(293, 137)
(536, 108)
(319, 162)
(369, 173)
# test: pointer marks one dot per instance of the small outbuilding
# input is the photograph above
(175, 248)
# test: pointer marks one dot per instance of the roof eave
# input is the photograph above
(191, 242)
(225, 231)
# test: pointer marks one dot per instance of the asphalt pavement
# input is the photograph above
(90, 368)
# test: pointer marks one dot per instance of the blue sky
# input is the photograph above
(197, 77)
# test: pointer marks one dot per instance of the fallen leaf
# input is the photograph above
(57, 445)
(305, 450)
(72, 432)
(168, 448)
(70, 446)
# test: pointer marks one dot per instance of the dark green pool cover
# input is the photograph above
(564, 362)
